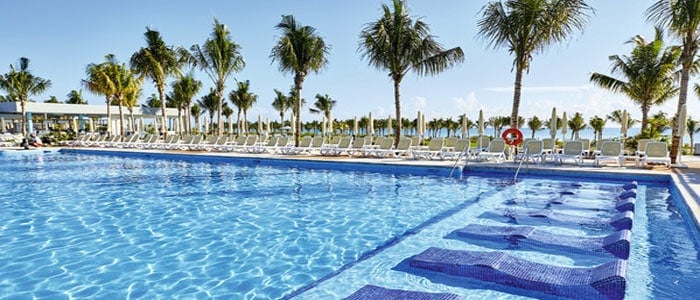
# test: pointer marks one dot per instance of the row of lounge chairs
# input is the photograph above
(451, 148)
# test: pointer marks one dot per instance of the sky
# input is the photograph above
(62, 37)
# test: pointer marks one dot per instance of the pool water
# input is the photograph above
(93, 226)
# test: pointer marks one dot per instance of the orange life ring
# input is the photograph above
(512, 136)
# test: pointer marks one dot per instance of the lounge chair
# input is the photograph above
(641, 147)
(460, 150)
(384, 145)
(609, 151)
(531, 152)
(549, 149)
(262, 148)
(250, 143)
(238, 142)
(402, 149)
(496, 151)
(655, 153)
(431, 152)
(586, 153)
(572, 151)
(290, 149)
(606, 281)
(334, 150)
(482, 144)
(356, 148)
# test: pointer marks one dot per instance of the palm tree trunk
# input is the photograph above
(675, 142)
(109, 117)
(220, 96)
(516, 96)
(121, 118)
(161, 95)
(23, 103)
(281, 122)
(645, 117)
(131, 117)
(298, 81)
(397, 105)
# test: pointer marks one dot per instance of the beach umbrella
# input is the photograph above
(388, 125)
(260, 124)
(464, 125)
(2, 124)
(75, 124)
(267, 125)
(564, 125)
(553, 124)
(206, 125)
(91, 125)
(624, 120)
(355, 126)
(330, 124)
(371, 124)
(419, 126)
(481, 123)
(323, 126)
(141, 125)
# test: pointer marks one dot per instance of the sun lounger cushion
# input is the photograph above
(617, 243)
(604, 281)
(369, 292)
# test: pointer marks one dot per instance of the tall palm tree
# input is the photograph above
(219, 57)
(131, 99)
(100, 82)
(210, 103)
(243, 99)
(75, 97)
(196, 112)
(534, 124)
(649, 73)
(300, 50)
(324, 104)
(526, 27)
(282, 103)
(576, 124)
(597, 123)
(184, 90)
(399, 44)
(158, 61)
(682, 19)
(21, 84)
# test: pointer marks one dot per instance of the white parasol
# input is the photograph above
(564, 125)
(371, 124)
(553, 124)
(624, 120)
(464, 125)
(260, 125)
(2, 124)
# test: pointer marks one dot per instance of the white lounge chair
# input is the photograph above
(531, 152)
(572, 151)
(655, 153)
(335, 150)
(610, 151)
(384, 145)
(432, 152)
(496, 151)
(459, 151)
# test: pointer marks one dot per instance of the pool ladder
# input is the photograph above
(522, 159)
(465, 154)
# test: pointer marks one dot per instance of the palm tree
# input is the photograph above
(597, 123)
(209, 103)
(649, 72)
(299, 51)
(101, 83)
(534, 124)
(692, 127)
(399, 44)
(616, 116)
(196, 112)
(498, 123)
(658, 123)
(219, 57)
(526, 27)
(21, 84)
(243, 99)
(52, 99)
(323, 104)
(226, 111)
(183, 93)
(75, 97)
(282, 103)
(131, 98)
(157, 61)
(682, 19)
(576, 124)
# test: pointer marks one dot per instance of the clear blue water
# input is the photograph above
(116, 227)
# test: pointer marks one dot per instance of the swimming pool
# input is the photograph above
(115, 227)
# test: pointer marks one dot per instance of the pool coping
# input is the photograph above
(679, 178)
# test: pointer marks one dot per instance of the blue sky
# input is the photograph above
(61, 37)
